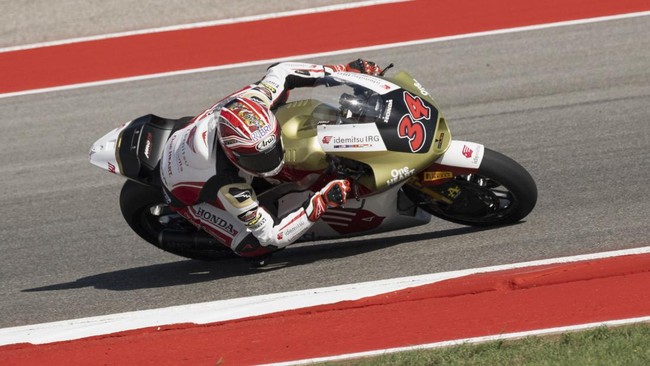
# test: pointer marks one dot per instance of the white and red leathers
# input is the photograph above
(206, 188)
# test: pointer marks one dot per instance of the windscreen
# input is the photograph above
(352, 102)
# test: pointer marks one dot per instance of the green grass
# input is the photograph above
(627, 345)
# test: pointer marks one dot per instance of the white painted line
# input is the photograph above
(251, 18)
(224, 310)
(324, 54)
(537, 332)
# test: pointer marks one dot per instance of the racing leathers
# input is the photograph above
(202, 185)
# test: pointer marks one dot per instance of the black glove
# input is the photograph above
(335, 192)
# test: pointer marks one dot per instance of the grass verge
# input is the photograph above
(626, 345)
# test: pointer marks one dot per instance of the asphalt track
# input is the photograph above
(570, 104)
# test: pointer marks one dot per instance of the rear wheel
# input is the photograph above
(502, 192)
(144, 210)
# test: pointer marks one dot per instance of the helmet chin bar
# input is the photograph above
(272, 172)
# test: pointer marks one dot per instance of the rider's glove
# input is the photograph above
(334, 194)
(364, 67)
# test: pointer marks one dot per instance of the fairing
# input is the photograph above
(391, 126)
(103, 153)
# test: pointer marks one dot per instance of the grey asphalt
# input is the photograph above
(34, 21)
(571, 104)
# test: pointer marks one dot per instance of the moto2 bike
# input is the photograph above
(384, 134)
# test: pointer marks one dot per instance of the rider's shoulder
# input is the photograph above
(238, 195)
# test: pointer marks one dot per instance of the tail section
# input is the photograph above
(135, 148)
(104, 152)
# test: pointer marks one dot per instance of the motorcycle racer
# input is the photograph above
(207, 166)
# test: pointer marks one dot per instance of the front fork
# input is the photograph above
(438, 181)
(436, 195)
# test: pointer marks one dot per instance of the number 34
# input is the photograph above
(411, 126)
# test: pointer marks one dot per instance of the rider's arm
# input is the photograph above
(284, 76)
(241, 202)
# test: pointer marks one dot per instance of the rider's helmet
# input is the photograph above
(250, 136)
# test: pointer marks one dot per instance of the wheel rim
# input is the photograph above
(480, 200)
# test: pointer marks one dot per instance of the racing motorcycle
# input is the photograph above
(384, 134)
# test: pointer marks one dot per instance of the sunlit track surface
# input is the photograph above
(571, 104)
(45, 21)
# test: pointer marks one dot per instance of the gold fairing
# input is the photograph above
(301, 147)
(303, 151)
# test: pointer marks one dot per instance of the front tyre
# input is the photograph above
(502, 192)
(136, 203)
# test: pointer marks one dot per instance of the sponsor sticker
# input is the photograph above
(266, 143)
(434, 176)
(420, 87)
(241, 195)
(467, 152)
(261, 132)
(453, 192)
(341, 138)
(147, 145)
(388, 110)
(269, 87)
(189, 141)
(216, 221)
(400, 174)
(440, 140)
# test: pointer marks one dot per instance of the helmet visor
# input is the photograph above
(263, 164)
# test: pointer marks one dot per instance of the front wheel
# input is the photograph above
(501, 192)
(138, 204)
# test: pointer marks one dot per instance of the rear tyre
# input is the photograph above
(136, 202)
(502, 192)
